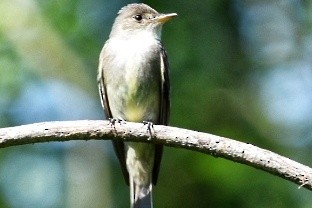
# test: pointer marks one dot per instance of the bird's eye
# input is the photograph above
(138, 17)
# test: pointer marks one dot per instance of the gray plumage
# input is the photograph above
(134, 86)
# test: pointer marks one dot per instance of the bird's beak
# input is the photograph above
(162, 18)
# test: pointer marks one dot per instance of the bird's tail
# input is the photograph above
(141, 196)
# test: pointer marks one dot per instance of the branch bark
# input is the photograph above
(170, 136)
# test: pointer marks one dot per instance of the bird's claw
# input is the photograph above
(113, 121)
(150, 126)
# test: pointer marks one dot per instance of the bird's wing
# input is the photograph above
(164, 108)
(165, 98)
(118, 145)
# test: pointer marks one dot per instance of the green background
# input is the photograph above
(239, 69)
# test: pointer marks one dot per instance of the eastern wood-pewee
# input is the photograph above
(134, 86)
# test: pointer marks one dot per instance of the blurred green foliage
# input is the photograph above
(215, 83)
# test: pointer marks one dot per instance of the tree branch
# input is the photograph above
(170, 136)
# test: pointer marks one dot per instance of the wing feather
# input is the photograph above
(118, 146)
(164, 108)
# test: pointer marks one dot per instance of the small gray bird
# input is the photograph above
(133, 80)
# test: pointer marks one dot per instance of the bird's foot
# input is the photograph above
(112, 121)
(150, 127)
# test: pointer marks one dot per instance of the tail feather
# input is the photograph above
(141, 196)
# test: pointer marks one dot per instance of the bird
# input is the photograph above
(133, 80)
